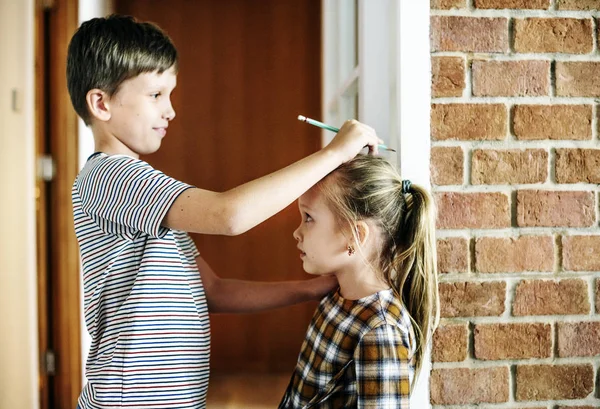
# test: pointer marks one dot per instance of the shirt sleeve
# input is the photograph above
(382, 369)
(126, 196)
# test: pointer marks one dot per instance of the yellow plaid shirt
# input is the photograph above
(356, 354)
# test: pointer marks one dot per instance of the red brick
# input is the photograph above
(553, 382)
(453, 255)
(512, 4)
(597, 296)
(472, 210)
(578, 166)
(547, 297)
(528, 407)
(511, 78)
(468, 122)
(575, 407)
(512, 166)
(592, 5)
(453, 33)
(578, 339)
(533, 122)
(513, 341)
(577, 79)
(539, 208)
(470, 299)
(448, 4)
(448, 76)
(553, 35)
(581, 253)
(460, 386)
(450, 343)
(447, 165)
(514, 254)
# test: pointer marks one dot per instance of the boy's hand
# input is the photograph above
(321, 286)
(352, 138)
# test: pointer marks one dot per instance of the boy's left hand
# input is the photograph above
(321, 286)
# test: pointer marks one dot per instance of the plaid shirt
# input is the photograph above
(356, 354)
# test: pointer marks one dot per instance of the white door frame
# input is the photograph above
(392, 82)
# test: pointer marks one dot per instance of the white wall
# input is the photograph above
(413, 90)
(18, 291)
(413, 104)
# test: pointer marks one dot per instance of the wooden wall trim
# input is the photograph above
(64, 257)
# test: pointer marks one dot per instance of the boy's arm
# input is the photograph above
(237, 296)
(239, 209)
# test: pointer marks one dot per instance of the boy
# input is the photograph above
(147, 292)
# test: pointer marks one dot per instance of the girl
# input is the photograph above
(376, 233)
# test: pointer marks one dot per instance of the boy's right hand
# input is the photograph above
(352, 138)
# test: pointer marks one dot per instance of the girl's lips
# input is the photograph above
(162, 131)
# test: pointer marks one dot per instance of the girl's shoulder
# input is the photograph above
(391, 321)
(388, 309)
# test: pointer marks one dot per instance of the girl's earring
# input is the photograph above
(350, 250)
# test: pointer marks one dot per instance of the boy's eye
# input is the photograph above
(307, 217)
(155, 95)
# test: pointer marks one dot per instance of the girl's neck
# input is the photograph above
(358, 284)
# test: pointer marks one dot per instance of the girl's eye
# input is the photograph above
(155, 95)
(307, 217)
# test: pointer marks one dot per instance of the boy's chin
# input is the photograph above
(149, 150)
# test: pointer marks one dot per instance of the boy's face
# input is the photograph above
(323, 247)
(140, 112)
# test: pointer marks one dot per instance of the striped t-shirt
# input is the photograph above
(145, 307)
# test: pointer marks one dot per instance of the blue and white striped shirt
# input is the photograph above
(145, 307)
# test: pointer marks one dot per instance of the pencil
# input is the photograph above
(333, 129)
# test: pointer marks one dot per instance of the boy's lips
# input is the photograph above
(161, 131)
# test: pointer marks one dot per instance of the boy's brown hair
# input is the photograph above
(106, 51)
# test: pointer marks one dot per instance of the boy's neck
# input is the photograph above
(106, 143)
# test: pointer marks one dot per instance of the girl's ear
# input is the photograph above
(362, 232)
(98, 104)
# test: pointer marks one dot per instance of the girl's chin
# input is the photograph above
(314, 272)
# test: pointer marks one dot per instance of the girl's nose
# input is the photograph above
(296, 234)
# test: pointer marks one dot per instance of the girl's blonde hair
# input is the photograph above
(370, 188)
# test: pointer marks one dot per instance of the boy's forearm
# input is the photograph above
(237, 296)
(256, 201)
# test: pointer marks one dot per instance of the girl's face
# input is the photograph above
(323, 247)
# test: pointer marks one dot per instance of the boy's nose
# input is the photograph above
(169, 113)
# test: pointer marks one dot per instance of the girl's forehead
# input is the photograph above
(311, 198)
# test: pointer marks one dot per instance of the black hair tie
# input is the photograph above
(406, 184)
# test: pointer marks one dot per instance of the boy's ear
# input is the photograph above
(98, 104)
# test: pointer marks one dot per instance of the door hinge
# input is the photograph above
(15, 100)
(50, 363)
(47, 4)
(46, 169)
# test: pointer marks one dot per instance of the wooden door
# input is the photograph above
(248, 68)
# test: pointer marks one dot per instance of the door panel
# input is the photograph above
(248, 68)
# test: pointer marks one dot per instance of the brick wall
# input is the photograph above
(515, 166)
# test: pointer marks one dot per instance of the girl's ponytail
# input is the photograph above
(413, 259)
